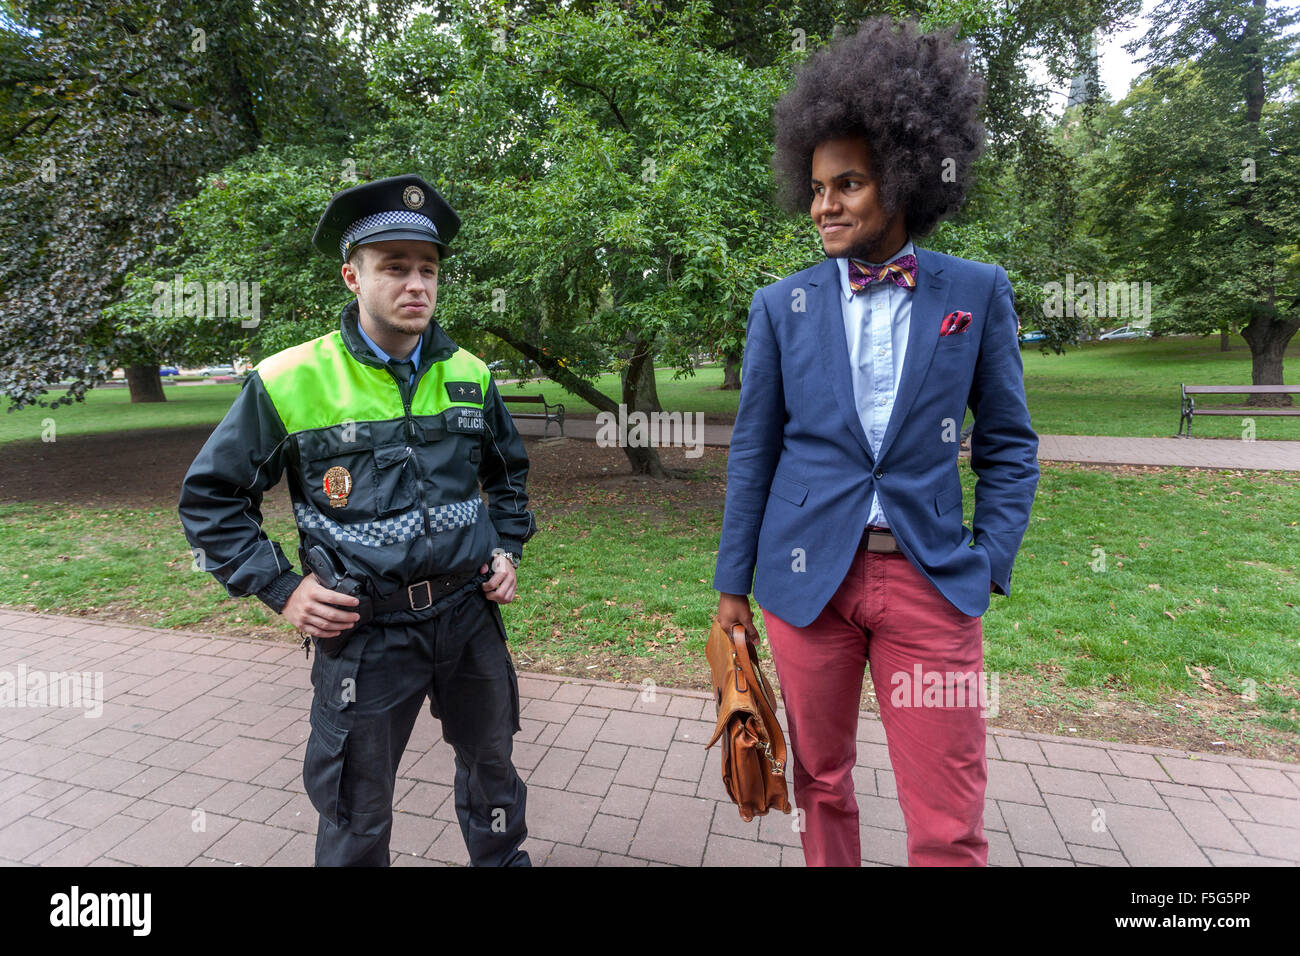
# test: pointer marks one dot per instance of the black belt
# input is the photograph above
(424, 594)
(879, 540)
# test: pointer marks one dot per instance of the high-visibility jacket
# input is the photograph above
(384, 474)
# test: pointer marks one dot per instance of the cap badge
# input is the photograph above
(338, 485)
(413, 196)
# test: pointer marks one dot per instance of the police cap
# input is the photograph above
(400, 207)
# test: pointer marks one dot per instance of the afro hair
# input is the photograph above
(914, 98)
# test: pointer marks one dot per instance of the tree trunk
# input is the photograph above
(145, 383)
(1268, 339)
(731, 371)
(643, 395)
(644, 461)
(637, 397)
(1223, 340)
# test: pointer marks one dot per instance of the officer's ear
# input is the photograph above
(351, 269)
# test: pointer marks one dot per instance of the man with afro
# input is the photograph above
(844, 495)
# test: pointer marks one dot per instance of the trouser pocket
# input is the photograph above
(322, 770)
(514, 693)
(494, 611)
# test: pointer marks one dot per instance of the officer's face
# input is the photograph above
(396, 283)
(846, 206)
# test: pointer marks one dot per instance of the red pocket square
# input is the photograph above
(955, 322)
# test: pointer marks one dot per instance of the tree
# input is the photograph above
(113, 113)
(612, 172)
(251, 224)
(1206, 149)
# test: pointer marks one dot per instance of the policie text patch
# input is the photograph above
(465, 420)
(465, 392)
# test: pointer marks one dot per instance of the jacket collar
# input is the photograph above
(435, 344)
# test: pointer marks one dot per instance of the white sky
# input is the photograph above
(1116, 66)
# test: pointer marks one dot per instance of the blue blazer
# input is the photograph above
(801, 472)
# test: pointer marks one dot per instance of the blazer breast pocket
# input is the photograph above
(788, 490)
(954, 341)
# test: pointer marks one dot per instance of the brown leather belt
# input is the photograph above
(878, 539)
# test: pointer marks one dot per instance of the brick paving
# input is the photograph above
(196, 760)
(1218, 453)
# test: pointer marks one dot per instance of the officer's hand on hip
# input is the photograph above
(310, 609)
(501, 586)
(734, 609)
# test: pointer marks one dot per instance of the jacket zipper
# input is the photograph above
(407, 391)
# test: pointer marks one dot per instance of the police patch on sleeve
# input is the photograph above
(465, 392)
(465, 420)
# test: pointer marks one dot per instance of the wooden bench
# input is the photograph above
(1247, 411)
(550, 413)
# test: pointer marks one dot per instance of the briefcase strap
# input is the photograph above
(763, 693)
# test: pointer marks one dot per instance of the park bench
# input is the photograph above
(550, 413)
(1190, 409)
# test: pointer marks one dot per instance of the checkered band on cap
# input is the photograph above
(392, 217)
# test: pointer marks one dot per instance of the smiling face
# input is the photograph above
(396, 284)
(846, 206)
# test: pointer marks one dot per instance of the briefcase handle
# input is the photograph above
(746, 656)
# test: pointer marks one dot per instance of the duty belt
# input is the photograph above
(424, 594)
(878, 539)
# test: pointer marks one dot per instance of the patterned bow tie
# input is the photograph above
(902, 272)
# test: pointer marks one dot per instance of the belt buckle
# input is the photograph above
(410, 595)
(867, 534)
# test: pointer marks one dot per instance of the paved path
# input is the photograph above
(1102, 449)
(196, 759)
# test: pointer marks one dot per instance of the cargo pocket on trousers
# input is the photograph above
(322, 768)
(514, 692)
(495, 611)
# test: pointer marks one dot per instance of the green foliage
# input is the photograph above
(1193, 175)
(112, 115)
(250, 223)
(612, 172)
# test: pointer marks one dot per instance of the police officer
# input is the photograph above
(386, 429)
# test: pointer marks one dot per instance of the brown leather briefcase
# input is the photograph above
(753, 746)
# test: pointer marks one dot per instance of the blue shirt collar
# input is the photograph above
(384, 356)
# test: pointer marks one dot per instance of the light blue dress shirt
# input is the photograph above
(384, 356)
(876, 321)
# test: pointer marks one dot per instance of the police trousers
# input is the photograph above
(365, 703)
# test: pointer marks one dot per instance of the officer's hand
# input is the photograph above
(310, 609)
(734, 609)
(501, 586)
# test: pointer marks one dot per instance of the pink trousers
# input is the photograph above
(927, 661)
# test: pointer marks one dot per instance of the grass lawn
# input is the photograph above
(1123, 388)
(1187, 634)
(1127, 388)
(1190, 634)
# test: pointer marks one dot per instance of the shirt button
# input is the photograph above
(880, 401)
(879, 474)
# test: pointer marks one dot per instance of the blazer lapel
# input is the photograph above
(929, 300)
(829, 314)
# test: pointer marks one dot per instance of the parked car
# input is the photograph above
(214, 370)
(169, 370)
(1125, 332)
(1034, 335)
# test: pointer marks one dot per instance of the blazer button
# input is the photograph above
(880, 474)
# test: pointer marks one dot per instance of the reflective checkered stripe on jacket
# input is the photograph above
(403, 527)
